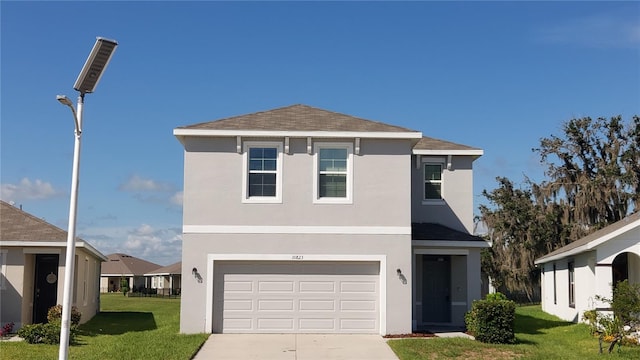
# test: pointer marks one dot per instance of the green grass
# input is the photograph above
(126, 328)
(539, 336)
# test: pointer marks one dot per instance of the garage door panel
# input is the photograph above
(275, 305)
(317, 305)
(297, 297)
(317, 286)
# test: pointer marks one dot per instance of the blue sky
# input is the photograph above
(493, 75)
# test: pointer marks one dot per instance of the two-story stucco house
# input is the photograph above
(304, 220)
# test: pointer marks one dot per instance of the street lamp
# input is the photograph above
(86, 83)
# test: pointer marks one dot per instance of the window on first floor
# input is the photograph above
(333, 172)
(263, 172)
(555, 293)
(572, 285)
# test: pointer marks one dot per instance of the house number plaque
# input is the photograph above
(297, 257)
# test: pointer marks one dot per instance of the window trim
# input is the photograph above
(432, 161)
(571, 270)
(3, 268)
(316, 173)
(245, 173)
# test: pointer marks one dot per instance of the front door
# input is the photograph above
(45, 294)
(436, 292)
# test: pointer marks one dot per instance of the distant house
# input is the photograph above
(123, 267)
(32, 260)
(576, 274)
(167, 280)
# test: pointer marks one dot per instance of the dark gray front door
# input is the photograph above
(436, 291)
(45, 293)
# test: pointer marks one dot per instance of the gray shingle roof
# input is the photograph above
(427, 143)
(593, 236)
(169, 269)
(127, 265)
(297, 118)
(18, 225)
(432, 231)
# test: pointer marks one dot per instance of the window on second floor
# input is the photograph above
(432, 176)
(333, 172)
(262, 181)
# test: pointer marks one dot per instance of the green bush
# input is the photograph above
(491, 320)
(48, 333)
(496, 296)
(55, 313)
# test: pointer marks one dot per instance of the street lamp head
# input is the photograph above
(95, 65)
(64, 100)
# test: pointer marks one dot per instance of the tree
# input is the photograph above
(520, 231)
(593, 172)
(593, 179)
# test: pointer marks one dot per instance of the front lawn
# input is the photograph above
(126, 328)
(539, 336)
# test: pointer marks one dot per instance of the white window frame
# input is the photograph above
(433, 161)
(3, 268)
(245, 172)
(348, 199)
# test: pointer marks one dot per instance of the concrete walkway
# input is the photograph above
(295, 347)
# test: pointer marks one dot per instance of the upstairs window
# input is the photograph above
(333, 173)
(263, 167)
(432, 181)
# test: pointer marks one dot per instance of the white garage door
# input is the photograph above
(296, 297)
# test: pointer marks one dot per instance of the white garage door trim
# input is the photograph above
(212, 258)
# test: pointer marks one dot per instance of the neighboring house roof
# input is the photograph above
(19, 228)
(440, 233)
(594, 239)
(123, 264)
(173, 269)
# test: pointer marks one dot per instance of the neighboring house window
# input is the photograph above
(572, 285)
(333, 172)
(432, 178)
(3, 269)
(84, 281)
(555, 293)
(263, 172)
(153, 282)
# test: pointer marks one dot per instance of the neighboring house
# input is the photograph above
(576, 274)
(300, 219)
(123, 267)
(32, 260)
(166, 280)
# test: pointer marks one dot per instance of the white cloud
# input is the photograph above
(137, 183)
(162, 246)
(176, 199)
(27, 189)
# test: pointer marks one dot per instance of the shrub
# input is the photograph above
(55, 313)
(496, 296)
(491, 320)
(6, 329)
(48, 333)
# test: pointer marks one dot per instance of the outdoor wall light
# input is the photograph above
(402, 278)
(194, 271)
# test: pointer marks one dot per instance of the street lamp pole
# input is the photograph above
(87, 80)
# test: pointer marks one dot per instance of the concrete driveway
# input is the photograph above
(295, 347)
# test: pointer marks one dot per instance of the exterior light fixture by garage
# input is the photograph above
(86, 83)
